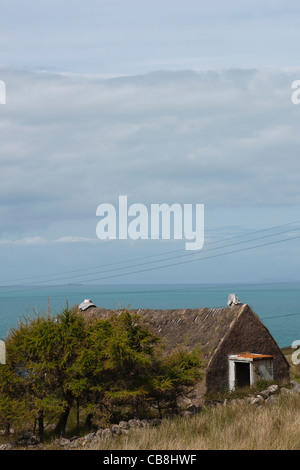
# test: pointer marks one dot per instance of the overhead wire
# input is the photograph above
(49, 278)
(179, 263)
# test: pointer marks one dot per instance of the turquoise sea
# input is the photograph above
(278, 305)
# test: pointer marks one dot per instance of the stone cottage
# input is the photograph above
(238, 349)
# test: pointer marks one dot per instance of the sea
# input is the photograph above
(276, 304)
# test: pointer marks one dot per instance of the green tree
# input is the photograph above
(180, 370)
(116, 360)
(54, 362)
(130, 353)
(42, 351)
(12, 406)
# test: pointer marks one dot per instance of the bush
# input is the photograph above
(114, 366)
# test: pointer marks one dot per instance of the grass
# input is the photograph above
(238, 427)
(270, 426)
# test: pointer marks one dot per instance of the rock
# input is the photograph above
(285, 391)
(63, 442)
(123, 425)
(145, 423)
(296, 386)
(265, 393)
(236, 401)
(273, 388)
(272, 399)
(256, 400)
(155, 422)
(194, 409)
(116, 430)
(106, 433)
(75, 444)
(8, 446)
(249, 399)
(89, 437)
(135, 423)
(28, 439)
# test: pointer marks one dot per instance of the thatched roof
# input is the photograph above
(204, 327)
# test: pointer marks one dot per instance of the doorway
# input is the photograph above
(242, 374)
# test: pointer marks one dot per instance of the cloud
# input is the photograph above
(32, 241)
(114, 37)
(28, 241)
(71, 142)
(74, 239)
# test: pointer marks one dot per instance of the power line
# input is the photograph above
(148, 257)
(173, 264)
(282, 316)
(200, 259)
(167, 259)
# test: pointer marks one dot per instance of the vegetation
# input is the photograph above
(64, 374)
(102, 370)
(273, 426)
(242, 426)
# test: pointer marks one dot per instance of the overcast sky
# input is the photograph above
(169, 101)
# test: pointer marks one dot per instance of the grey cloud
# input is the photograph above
(69, 143)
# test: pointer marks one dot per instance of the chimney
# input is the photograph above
(87, 303)
(233, 300)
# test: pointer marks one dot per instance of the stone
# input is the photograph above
(75, 444)
(123, 425)
(296, 386)
(273, 388)
(8, 446)
(265, 393)
(63, 442)
(145, 423)
(194, 409)
(89, 437)
(28, 439)
(155, 422)
(260, 397)
(255, 401)
(285, 391)
(115, 429)
(135, 423)
(106, 433)
(272, 399)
